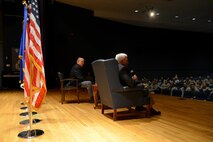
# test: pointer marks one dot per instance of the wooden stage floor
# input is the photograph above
(181, 121)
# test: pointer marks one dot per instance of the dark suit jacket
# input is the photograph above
(77, 73)
(126, 77)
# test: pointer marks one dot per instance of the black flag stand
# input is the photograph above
(26, 114)
(31, 133)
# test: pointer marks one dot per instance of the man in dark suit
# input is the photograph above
(130, 79)
(77, 73)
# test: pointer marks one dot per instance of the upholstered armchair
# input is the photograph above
(112, 94)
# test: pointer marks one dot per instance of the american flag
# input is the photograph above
(34, 73)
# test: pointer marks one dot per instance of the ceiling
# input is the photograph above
(189, 15)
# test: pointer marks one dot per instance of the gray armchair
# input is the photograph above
(112, 94)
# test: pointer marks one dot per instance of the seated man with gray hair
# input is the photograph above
(129, 78)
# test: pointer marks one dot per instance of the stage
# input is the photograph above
(180, 121)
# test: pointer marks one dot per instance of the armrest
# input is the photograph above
(69, 82)
(127, 89)
(70, 79)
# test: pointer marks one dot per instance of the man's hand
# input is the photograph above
(134, 77)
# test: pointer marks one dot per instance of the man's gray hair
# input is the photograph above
(120, 56)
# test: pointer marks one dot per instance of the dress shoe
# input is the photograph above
(154, 112)
(140, 108)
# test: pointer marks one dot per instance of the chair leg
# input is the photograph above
(77, 91)
(62, 97)
(115, 114)
(102, 109)
(95, 94)
(148, 108)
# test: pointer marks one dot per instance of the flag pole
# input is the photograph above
(31, 91)
(31, 76)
